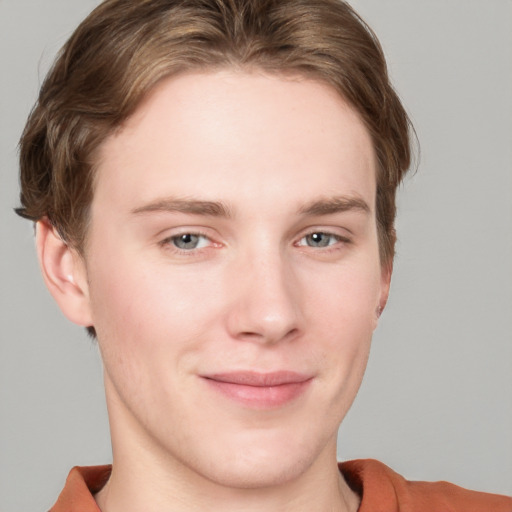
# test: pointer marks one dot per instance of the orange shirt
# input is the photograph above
(380, 488)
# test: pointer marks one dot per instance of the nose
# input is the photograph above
(265, 305)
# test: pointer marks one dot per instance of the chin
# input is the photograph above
(264, 463)
(241, 473)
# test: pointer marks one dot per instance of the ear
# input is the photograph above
(386, 272)
(64, 274)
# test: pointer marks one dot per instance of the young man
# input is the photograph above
(214, 190)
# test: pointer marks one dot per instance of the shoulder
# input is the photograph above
(383, 490)
(81, 484)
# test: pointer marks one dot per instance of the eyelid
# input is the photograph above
(201, 239)
(328, 230)
(166, 242)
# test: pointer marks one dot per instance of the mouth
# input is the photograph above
(260, 390)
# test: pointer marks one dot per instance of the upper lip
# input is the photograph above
(259, 379)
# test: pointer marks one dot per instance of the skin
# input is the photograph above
(273, 178)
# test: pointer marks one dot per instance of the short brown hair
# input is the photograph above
(124, 47)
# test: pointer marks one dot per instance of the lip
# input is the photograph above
(260, 390)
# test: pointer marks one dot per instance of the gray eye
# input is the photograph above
(187, 241)
(319, 239)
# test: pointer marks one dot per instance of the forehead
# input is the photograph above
(237, 135)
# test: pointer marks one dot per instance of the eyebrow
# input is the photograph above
(193, 206)
(337, 204)
(323, 206)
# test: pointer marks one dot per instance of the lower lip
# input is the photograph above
(261, 397)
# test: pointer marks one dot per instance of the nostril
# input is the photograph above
(269, 336)
(292, 333)
(248, 334)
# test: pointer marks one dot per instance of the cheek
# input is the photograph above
(343, 312)
(139, 307)
(344, 297)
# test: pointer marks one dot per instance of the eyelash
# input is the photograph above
(330, 246)
(168, 243)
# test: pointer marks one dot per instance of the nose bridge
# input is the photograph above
(266, 302)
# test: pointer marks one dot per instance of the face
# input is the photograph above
(233, 274)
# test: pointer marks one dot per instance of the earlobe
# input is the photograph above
(63, 273)
(386, 273)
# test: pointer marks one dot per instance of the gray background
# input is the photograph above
(437, 399)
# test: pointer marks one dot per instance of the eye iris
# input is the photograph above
(318, 240)
(186, 241)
